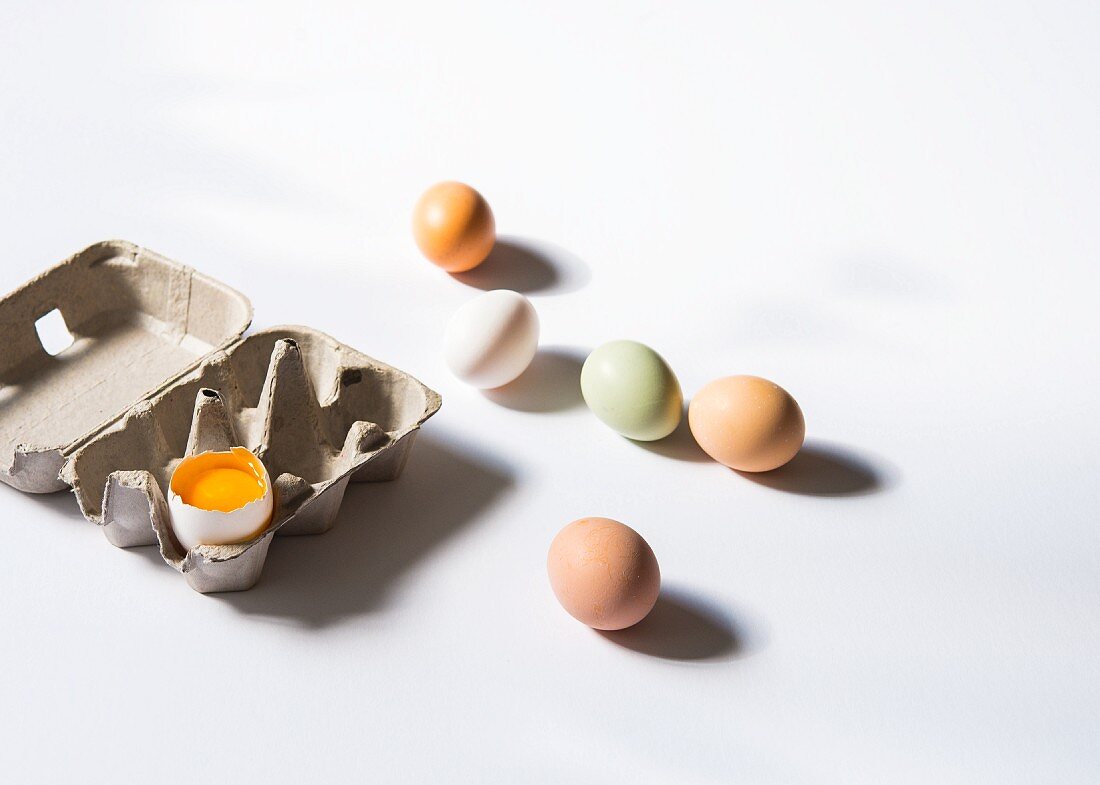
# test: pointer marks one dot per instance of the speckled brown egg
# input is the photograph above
(453, 226)
(603, 573)
(747, 423)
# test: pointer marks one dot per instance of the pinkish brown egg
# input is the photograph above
(603, 573)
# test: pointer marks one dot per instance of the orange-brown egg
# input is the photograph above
(453, 226)
(747, 423)
(603, 573)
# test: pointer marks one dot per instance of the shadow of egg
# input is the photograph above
(824, 469)
(527, 267)
(551, 383)
(682, 626)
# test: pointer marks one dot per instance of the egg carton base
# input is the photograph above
(284, 423)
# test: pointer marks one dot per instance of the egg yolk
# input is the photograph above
(221, 481)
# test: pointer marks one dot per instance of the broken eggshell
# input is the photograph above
(219, 497)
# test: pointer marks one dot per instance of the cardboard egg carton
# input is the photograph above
(319, 414)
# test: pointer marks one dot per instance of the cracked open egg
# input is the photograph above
(219, 498)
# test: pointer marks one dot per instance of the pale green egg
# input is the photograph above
(632, 390)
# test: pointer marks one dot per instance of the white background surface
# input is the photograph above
(891, 212)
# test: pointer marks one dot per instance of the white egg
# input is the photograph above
(492, 339)
(247, 501)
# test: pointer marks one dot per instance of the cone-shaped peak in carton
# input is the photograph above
(211, 427)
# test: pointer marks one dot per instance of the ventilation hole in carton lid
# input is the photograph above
(53, 333)
(351, 376)
(209, 393)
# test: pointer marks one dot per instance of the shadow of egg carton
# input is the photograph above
(318, 413)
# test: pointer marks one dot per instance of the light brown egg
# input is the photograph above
(747, 423)
(603, 573)
(453, 226)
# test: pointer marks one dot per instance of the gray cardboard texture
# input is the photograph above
(137, 320)
(316, 412)
(154, 374)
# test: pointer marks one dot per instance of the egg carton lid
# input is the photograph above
(121, 323)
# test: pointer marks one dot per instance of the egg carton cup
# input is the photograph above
(316, 412)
